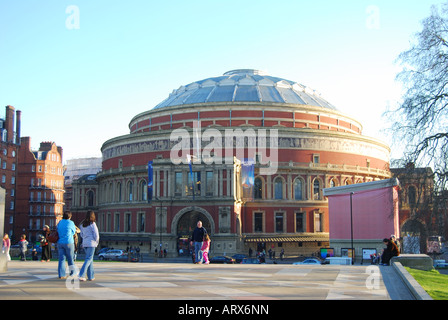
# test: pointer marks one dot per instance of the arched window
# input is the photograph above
(111, 193)
(258, 188)
(316, 189)
(130, 189)
(90, 198)
(332, 183)
(119, 192)
(278, 188)
(143, 191)
(298, 189)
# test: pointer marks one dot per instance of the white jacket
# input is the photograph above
(90, 236)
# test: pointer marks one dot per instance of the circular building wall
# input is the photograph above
(309, 145)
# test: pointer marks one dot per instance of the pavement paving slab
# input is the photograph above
(33, 280)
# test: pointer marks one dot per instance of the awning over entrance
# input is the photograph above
(301, 238)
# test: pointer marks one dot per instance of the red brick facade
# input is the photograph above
(40, 188)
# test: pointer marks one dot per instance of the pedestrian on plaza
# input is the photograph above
(206, 248)
(139, 257)
(196, 240)
(389, 252)
(34, 254)
(23, 246)
(6, 246)
(90, 239)
(66, 244)
(45, 245)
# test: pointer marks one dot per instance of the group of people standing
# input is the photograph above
(67, 245)
(201, 242)
(23, 246)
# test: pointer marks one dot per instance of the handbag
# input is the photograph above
(53, 237)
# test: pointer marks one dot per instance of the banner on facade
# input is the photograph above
(150, 181)
(247, 179)
(189, 159)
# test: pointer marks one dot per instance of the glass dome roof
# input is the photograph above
(245, 85)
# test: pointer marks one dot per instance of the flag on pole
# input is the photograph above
(191, 173)
(150, 181)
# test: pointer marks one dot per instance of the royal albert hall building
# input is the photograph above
(318, 147)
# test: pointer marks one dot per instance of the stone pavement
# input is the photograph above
(35, 280)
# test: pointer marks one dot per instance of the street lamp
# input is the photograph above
(351, 226)
(160, 226)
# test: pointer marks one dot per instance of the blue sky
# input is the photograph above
(80, 84)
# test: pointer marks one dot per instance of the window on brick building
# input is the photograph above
(298, 189)
(258, 188)
(278, 188)
(258, 222)
(279, 217)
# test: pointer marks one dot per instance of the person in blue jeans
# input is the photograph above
(66, 244)
(196, 239)
(90, 239)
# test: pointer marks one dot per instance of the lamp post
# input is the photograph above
(160, 226)
(351, 226)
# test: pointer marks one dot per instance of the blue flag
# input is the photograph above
(191, 173)
(150, 181)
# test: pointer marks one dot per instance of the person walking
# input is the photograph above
(6, 246)
(66, 244)
(196, 240)
(46, 246)
(23, 246)
(206, 248)
(90, 239)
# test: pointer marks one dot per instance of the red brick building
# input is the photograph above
(316, 146)
(10, 144)
(422, 211)
(40, 188)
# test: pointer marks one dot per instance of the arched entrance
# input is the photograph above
(413, 233)
(184, 223)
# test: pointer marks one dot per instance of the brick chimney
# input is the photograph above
(9, 123)
(18, 125)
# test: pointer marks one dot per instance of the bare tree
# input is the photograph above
(420, 122)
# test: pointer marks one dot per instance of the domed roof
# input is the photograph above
(245, 85)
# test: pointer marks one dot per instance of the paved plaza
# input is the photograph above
(34, 280)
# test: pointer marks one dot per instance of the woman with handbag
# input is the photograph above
(90, 239)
